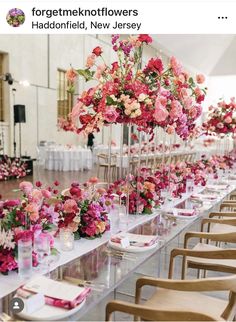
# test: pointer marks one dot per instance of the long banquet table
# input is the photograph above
(89, 260)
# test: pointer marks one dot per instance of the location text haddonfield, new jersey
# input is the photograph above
(87, 19)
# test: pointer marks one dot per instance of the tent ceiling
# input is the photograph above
(213, 55)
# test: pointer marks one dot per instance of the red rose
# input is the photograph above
(85, 119)
(97, 51)
(145, 38)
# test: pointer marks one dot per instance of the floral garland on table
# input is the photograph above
(11, 168)
(84, 210)
(25, 218)
(221, 118)
(126, 93)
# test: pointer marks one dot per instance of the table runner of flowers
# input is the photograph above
(84, 208)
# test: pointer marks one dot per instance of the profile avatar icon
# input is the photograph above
(16, 305)
(15, 17)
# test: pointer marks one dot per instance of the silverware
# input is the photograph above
(121, 255)
(83, 283)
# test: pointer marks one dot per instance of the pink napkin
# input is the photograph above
(59, 302)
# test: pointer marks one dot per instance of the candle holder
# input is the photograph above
(67, 240)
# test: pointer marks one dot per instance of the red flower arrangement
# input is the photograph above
(221, 119)
(148, 97)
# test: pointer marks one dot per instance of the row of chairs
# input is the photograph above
(184, 300)
(152, 162)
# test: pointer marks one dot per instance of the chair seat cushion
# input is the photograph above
(208, 261)
(170, 300)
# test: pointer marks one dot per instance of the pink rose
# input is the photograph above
(37, 195)
(220, 125)
(170, 129)
(33, 211)
(228, 120)
(46, 194)
(26, 187)
(200, 78)
(111, 115)
(176, 110)
(90, 60)
(160, 113)
(70, 206)
(71, 75)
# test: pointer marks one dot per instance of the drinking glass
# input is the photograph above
(25, 258)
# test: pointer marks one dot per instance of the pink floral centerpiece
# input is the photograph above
(84, 210)
(151, 96)
(221, 118)
(27, 217)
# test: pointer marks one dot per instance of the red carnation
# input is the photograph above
(155, 65)
(97, 51)
(145, 38)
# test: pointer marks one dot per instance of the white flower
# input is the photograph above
(142, 97)
(6, 239)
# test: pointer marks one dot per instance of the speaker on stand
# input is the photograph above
(19, 117)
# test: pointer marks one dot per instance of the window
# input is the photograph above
(64, 99)
(1, 90)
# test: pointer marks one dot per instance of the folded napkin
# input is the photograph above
(56, 293)
(184, 212)
(203, 196)
(135, 240)
(232, 177)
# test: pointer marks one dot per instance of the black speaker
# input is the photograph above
(19, 114)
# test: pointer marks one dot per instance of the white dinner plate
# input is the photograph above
(132, 249)
(182, 216)
(49, 313)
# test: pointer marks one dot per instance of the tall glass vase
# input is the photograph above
(109, 172)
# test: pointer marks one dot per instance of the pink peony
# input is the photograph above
(160, 113)
(33, 211)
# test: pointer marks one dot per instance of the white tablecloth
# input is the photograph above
(68, 159)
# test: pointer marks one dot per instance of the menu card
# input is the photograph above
(53, 289)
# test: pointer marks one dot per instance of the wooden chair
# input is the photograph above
(219, 222)
(233, 196)
(103, 163)
(178, 300)
(228, 205)
(205, 256)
